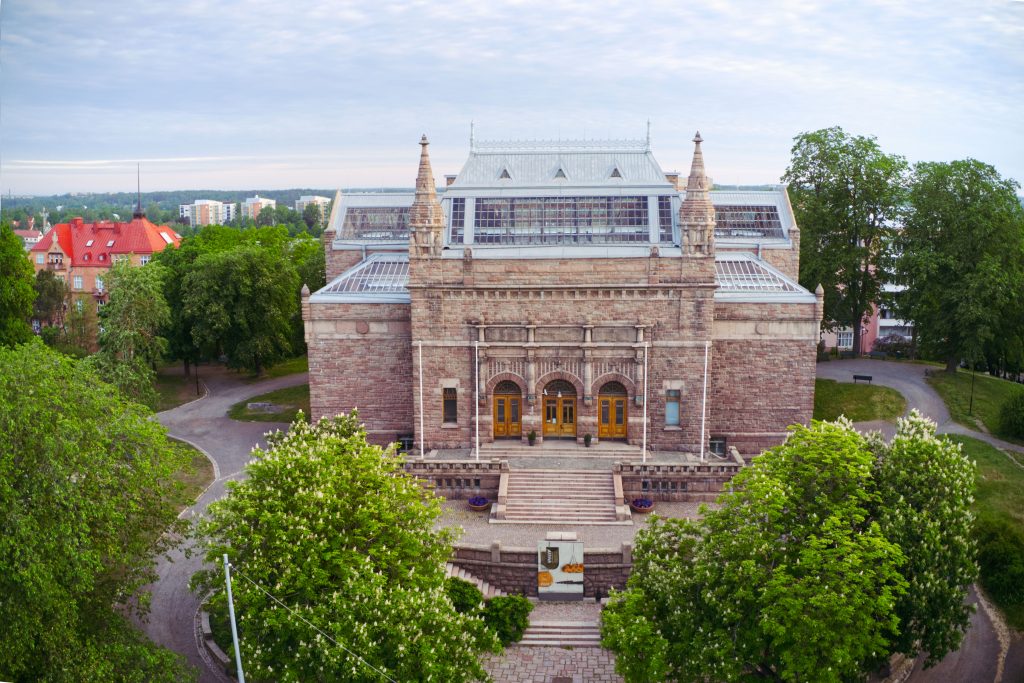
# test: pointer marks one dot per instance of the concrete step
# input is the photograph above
(487, 589)
(562, 634)
(582, 496)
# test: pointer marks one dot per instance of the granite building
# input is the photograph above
(566, 289)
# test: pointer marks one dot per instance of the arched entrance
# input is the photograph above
(612, 411)
(559, 409)
(508, 410)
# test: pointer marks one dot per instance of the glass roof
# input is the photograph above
(376, 223)
(740, 273)
(762, 221)
(382, 276)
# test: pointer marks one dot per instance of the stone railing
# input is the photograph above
(514, 569)
(690, 482)
(458, 479)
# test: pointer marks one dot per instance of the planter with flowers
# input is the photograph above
(479, 503)
(641, 505)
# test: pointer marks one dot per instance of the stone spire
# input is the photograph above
(697, 215)
(426, 219)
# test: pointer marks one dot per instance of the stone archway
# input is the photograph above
(559, 409)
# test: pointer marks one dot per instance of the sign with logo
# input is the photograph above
(560, 570)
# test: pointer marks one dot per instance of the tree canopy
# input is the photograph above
(847, 196)
(130, 341)
(236, 293)
(86, 496)
(334, 528)
(803, 572)
(16, 290)
(962, 261)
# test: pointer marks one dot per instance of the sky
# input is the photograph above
(328, 94)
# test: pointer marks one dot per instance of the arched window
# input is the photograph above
(559, 386)
(613, 389)
(507, 387)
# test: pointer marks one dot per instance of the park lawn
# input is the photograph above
(289, 400)
(1000, 495)
(198, 474)
(290, 366)
(859, 402)
(989, 395)
(173, 390)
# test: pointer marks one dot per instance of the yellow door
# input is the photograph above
(508, 419)
(612, 417)
(560, 416)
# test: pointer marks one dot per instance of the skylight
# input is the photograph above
(167, 238)
(110, 244)
(89, 243)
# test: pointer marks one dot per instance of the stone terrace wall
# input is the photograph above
(514, 570)
(459, 479)
(681, 483)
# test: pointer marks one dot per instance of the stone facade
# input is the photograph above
(715, 349)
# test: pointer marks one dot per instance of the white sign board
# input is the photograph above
(560, 570)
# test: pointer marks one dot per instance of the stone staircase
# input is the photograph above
(562, 634)
(487, 589)
(561, 497)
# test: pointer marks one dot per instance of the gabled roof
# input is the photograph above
(584, 163)
(744, 277)
(380, 278)
(93, 244)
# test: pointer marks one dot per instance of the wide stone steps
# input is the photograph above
(562, 634)
(603, 452)
(487, 589)
(560, 496)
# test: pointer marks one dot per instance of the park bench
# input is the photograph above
(866, 378)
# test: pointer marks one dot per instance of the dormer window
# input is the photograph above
(560, 174)
(504, 175)
(615, 173)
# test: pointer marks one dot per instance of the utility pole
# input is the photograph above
(231, 612)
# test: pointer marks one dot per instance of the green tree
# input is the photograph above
(847, 194)
(81, 328)
(242, 304)
(51, 298)
(791, 579)
(87, 498)
(16, 290)
(926, 488)
(962, 259)
(336, 529)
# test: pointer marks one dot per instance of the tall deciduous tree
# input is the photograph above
(242, 304)
(16, 290)
(336, 529)
(926, 487)
(86, 496)
(51, 298)
(962, 259)
(847, 194)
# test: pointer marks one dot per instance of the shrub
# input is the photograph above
(895, 344)
(508, 616)
(1001, 558)
(464, 595)
(1011, 415)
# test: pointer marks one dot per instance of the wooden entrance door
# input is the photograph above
(508, 415)
(560, 416)
(612, 411)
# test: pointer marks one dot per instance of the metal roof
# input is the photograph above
(560, 163)
(380, 278)
(744, 277)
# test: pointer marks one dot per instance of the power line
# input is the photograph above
(311, 625)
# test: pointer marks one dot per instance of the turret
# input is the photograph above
(697, 215)
(426, 219)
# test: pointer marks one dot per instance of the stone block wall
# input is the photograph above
(514, 570)
(360, 357)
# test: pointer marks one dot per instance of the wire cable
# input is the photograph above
(311, 625)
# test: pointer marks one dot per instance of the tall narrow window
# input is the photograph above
(451, 407)
(77, 281)
(458, 219)
(672, 408)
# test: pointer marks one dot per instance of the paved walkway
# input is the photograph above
(990, 651)
(228, 443)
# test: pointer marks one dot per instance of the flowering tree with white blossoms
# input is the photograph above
(334, 528)
(828, 554)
